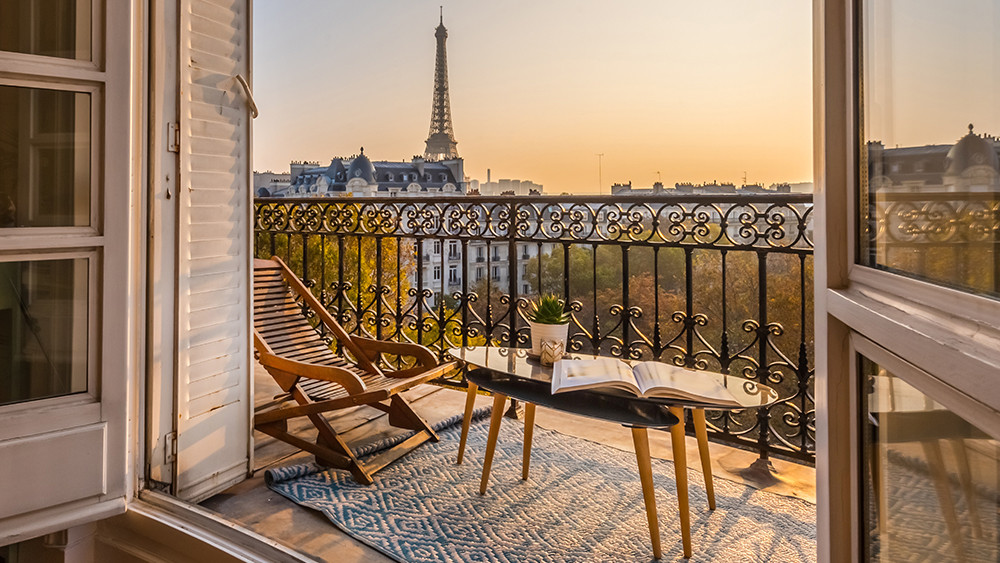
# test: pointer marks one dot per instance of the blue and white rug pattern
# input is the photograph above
(582, 502)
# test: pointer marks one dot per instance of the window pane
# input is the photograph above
(43, 329)
(44, 158)
(930, 478)
(930, 178)
(53, 28)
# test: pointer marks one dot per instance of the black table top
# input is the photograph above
(512, 366)
(621, 410)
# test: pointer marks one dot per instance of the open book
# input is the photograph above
(645, 379)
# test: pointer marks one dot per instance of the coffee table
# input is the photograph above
(510, 372)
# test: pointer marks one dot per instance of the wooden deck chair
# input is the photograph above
(303, 363)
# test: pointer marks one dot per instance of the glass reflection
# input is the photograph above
(45, 157)
(43, 329)
(930, 478)
(52, 28)
(930, 159)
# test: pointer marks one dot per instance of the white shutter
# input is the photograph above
(213, 246)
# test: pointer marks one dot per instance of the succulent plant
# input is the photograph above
(548, 311)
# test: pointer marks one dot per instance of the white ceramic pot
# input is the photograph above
(540, 332)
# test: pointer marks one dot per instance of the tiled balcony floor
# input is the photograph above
(254, 506)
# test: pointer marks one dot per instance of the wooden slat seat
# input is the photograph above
(297, 352)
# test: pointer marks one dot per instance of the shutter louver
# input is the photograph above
(213, 357)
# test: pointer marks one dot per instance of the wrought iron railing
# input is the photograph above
(712, 282)
(950, 238)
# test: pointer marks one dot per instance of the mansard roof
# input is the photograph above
(386, 174)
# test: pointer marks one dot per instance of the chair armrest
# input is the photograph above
(287, 372)
(436, 371)
(373, 348)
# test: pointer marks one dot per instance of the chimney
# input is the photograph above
(487, 175)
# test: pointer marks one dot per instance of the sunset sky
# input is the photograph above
(932, 69)
(697, 91)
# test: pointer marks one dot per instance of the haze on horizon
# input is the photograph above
(697, 92)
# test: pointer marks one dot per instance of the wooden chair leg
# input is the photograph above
(279, 431)
(640, 439)
(470, 403)
(529, 429)
(329, 438)
(402, 415)
(680, 472)
(701, 432)
(491, 442)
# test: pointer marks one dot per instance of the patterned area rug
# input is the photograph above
(916, 529)
(582, 502)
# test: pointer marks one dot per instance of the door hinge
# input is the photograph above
(174, 137)
(170, 447)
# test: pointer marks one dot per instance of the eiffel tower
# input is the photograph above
(441, 144)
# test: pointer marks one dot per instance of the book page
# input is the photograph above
(657, 379)
(568, 375)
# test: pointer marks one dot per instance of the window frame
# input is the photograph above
(65, 242)
(964, 406)
(874, 295)
(23, 417)
(949, 340)
(115, 295)
(65, 236)
(974, 412)
(21, 63)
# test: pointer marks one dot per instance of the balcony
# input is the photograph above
(704, 281)
(254, 506)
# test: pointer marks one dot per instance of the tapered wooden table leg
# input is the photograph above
(641, 441)
(529, 428)
(968, 486)
(491, 442)
(680, 472)
(470, 402)
(942, 482)
(701, 431)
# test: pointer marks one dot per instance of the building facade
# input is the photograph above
(267, 182)
(359, 176)
(971, 164)
(446, 268)
(509, 187)
(685, 188)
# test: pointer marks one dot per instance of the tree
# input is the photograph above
(364, 288)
